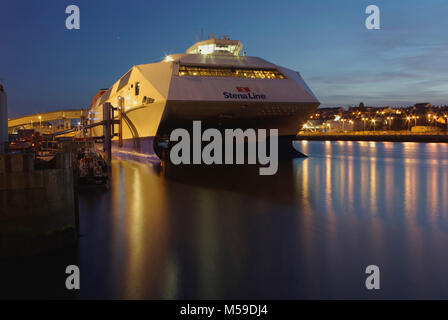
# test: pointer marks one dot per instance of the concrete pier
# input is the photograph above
(38, 207)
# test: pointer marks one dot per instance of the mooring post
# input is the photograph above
(83, 124)
(90, 123)
(107, 131)
(120, 124)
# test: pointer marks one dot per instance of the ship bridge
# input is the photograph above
(217, 46)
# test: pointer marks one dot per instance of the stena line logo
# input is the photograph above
(244, 93)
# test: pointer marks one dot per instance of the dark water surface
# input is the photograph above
(308, 232)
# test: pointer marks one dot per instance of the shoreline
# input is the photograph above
(381, 136)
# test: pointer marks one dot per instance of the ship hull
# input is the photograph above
(286, 118)
(140, 149)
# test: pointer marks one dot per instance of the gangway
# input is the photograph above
(108, 128)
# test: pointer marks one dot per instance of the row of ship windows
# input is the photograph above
(209, 72)
(230, 72)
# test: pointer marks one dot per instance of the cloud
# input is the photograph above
(398, 66)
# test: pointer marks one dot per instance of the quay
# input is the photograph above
(39, 206)
(387, 136)
(39, 177)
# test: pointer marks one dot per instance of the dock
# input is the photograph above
(387, 136)
(40, 175)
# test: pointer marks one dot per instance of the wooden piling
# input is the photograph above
(107, 108)
(120, 123)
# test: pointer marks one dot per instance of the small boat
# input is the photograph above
(91, 168)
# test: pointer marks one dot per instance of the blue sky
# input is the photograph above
(44, 66)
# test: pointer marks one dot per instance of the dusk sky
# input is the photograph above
(45, 67)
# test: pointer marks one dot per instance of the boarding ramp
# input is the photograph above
(40, 121)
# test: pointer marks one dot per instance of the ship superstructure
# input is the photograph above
(212, 82)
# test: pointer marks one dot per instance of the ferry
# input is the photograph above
(214, 82)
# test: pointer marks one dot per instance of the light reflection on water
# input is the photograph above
(396, 213)
(307, 232)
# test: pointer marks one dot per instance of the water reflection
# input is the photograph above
(307, 232)
(400, 220)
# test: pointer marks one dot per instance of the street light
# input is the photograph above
(389, 121)
(373, 121)
(351, 125)
(40, 121)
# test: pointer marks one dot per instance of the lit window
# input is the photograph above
(230, 72)
(137, 88)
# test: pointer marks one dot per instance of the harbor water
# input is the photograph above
(307, 232)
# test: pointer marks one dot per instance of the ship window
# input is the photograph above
(230, 72)
(137, 88)
(124, 80)
(148, 100)
(104, 97)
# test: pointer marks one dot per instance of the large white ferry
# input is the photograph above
(212, 82)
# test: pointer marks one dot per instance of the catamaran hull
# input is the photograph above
(286, 118)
